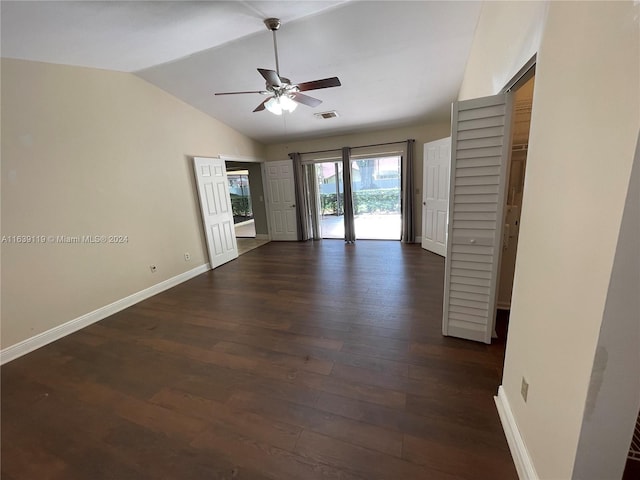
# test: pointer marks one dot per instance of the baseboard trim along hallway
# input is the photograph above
(519, 452)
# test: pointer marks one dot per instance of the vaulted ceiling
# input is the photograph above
(400, 62)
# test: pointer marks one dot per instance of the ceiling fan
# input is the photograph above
(284, 95)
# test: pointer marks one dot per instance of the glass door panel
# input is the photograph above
(331, 192)
(376, 198)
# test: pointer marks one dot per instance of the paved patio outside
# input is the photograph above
(368, 227)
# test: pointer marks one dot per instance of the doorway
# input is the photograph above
(242, 209)
(522, 103)
(246, 190)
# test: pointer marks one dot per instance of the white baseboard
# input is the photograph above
(418, 239)
(519, 452)
(262, 236)
(42, 339)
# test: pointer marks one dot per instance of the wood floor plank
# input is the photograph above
(370, 376)
(300, 360)
(361, 461)
(427, 425)
(279, 341)
(306, 362)
(230, 415)
(275, 462)
(360, 391)
(31, 461)
(239, 363)
(460, 462)
(156, 456)
(336, 426)
(472, 411)
(290, 337)
(383, 416)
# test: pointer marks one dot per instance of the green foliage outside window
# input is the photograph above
(240, 206)
(382, 200)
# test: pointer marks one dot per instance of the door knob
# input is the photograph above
(473, 240)
(293, 206)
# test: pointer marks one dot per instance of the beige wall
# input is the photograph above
(421, 133)
(507, 35)
(585, 120)
(94, 152)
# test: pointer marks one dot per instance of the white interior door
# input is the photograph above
(282, 203)
(479, 167)
(435, 195)
(215, 204)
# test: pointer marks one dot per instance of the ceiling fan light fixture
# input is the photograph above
(273, 105)
(277, 105)
(287, 103)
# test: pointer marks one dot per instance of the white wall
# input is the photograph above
(586, 116)
(421, 133)
(613, 400)
(94, 152)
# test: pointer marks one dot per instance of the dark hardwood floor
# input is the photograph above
(295, 361)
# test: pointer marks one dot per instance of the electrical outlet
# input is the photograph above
(524, 389)
(153, 268)
(187, 256)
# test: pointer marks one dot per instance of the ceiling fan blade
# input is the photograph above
(305, 99)
(260, 107)
(263, 92)
(317, 84)
(271, 77)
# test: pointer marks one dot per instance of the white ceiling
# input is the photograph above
(400, 62)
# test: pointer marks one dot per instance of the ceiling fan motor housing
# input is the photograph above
(272, 24)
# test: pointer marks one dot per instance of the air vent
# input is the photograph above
(326, 115)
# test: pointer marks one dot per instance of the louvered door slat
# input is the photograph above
(477, 180)
(466, 283)
(480, 152)
(487, 122)
(472, 296)
(481, 132)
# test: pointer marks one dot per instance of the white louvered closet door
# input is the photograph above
(479, 165)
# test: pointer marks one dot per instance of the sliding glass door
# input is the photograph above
(376, 197)
(375, 183)
(331, 193)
